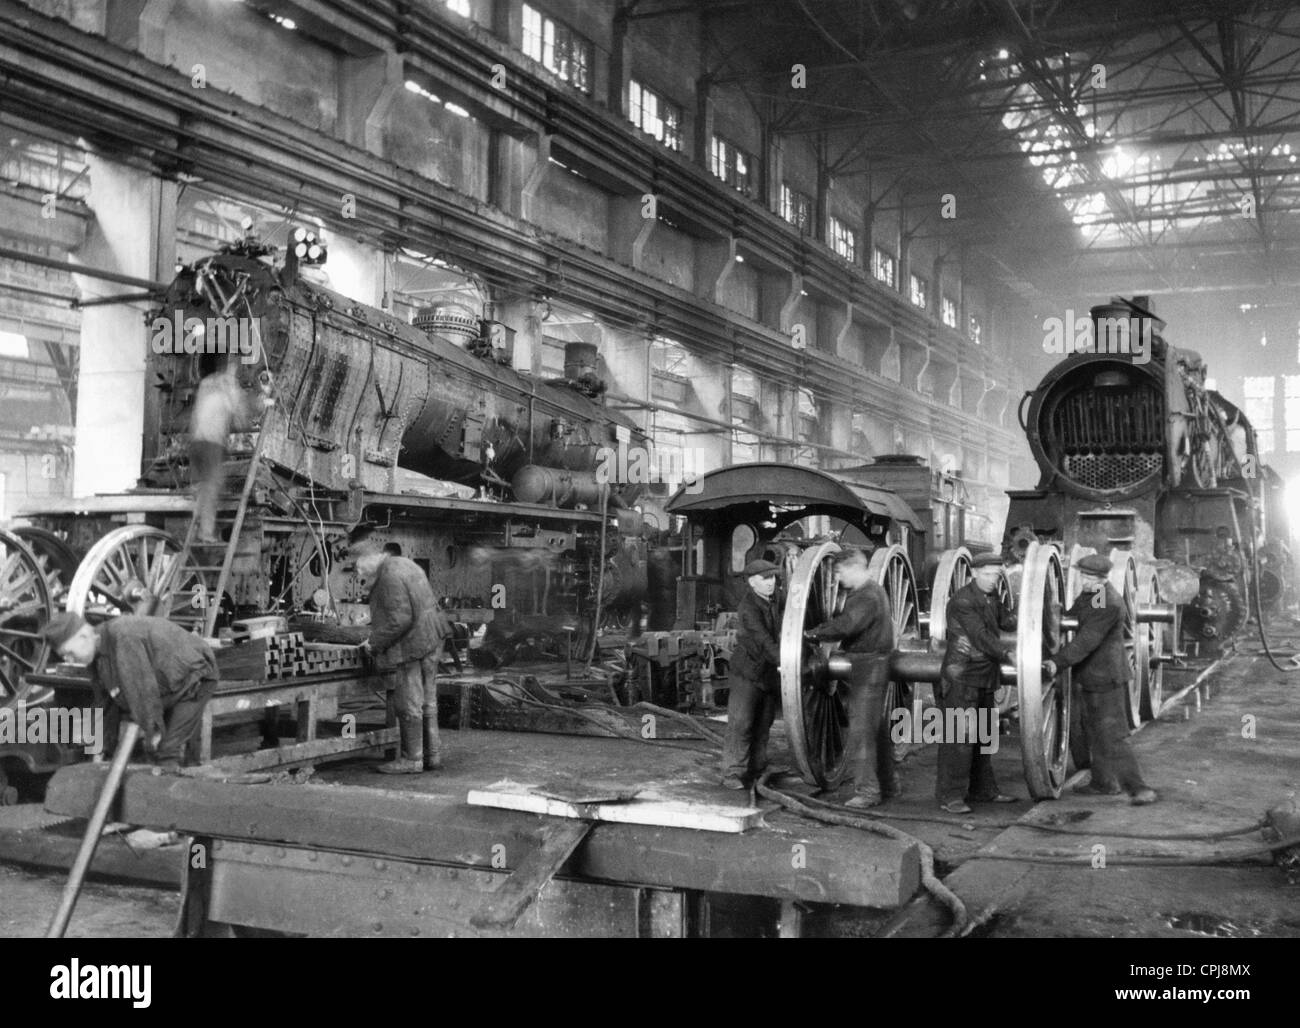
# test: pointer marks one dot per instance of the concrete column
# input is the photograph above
(630, 231)
(891, 364)
(714, 263)
(790, 307)
(841, 326)
(519, 315)
(921, 376)
(535, 179)
(367, 88)
(134, 233)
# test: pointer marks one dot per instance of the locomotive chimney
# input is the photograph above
(582, 368)
(580, 360)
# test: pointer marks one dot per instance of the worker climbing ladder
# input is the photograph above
(227, 547)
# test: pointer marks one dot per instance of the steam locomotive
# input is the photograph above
(489, 478)
(1137, 454)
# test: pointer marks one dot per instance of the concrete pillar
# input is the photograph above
(630, 231)
(891, 364)
(512, 163)
(923, 377)
(134, 233)
(790, 306)
(367, 88)
(535, 179)
(841, 326)
(714, 263)
(521, 316)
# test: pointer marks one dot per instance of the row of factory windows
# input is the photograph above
(568, 55)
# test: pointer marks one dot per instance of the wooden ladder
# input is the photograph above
(212, 608)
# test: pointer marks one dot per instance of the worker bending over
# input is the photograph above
(155, 671)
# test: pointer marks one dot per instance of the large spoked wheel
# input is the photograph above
(1123, 579)
(25, 607)
(1044, 705)
(814, 705)
(1151, 647)
(57, 558)
(137, 569)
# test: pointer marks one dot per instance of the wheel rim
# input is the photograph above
(25, 608)
(951, 573)
(1123, 579)
(1151, 647)
(58, 559)
(892, 570)
(137, 570)
(815, 705)
(1044, 705)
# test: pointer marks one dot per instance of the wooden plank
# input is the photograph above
(518, 892)
(849, 866)
(645, 808)
(306, 752)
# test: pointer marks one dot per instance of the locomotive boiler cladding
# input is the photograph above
(361, 394)
(1135, 452)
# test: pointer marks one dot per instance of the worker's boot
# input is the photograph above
(411, 761)
(432, 743)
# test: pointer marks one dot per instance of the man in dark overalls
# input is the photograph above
(1100, 684)
(407, 631)
(754, 678)
(968, 682)
(865, 628)
(151, 668)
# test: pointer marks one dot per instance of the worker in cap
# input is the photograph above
(968, 683)
(152, 669)
(407, 633)
(1099, 691)
(754, 679)
(864, 628)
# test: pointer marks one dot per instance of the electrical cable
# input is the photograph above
(929, 881)
(1254, 579)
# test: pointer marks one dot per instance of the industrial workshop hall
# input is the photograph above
(650, 469)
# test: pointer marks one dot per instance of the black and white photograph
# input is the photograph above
(698, 469)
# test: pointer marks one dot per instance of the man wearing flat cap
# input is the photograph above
(865, 628)
(155, 671)
(1100, 684)
(968, 682)
(754, 678)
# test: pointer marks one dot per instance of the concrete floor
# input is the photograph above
(111, 910)
(1209, 776)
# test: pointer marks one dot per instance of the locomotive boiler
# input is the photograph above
(1135, 453)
